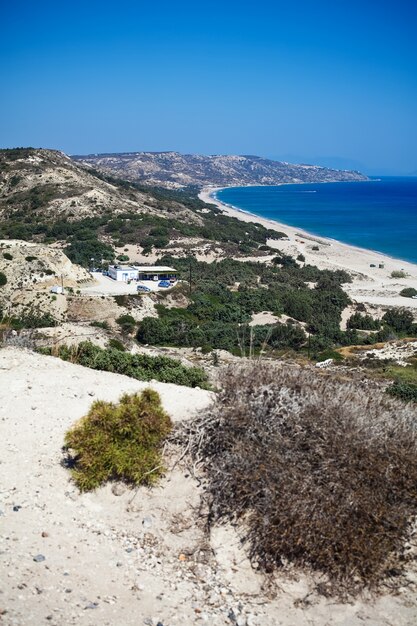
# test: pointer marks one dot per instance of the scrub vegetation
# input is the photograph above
(140, 366)
(119, 442)
(320, 473)
(224, 295)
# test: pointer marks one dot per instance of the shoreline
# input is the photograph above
(372, 285)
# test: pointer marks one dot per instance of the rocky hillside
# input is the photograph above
(171, 169)
(27, 273)
(46, 197)
(35, 183)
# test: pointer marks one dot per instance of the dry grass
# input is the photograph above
(321, 473)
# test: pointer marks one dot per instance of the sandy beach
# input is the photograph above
(372, 285)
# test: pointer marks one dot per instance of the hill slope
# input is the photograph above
(37, 183)
(172, 169)
(46, 197)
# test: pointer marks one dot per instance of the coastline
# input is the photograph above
(372, 285)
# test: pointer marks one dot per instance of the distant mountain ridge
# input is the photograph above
(173, 170)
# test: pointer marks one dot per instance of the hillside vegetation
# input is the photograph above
(46, 197)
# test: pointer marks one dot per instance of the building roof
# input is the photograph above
(125, 268)
(154, 268)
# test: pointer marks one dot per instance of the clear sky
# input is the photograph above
(311, 80)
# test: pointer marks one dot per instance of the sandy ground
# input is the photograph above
(370, 284)
(117, 557)
(103, 285)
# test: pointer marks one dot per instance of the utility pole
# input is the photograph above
(189, 280)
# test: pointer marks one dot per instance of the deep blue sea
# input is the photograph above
(380, 214)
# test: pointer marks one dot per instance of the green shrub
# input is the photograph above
(29, 259)
(7, 256)
(116, 344)
(127, 323)
(104, 325)
(399, 319)
(403, 390)
(408, 292)
(329, 354)
(140, 366)
(32, 319)
(119, 441)
(398, 274)
(3, 279)
(363, 322)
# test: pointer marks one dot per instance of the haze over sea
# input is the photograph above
(380, 214)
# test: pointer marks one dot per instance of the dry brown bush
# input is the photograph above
(321, 473)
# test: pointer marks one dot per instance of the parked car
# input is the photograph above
(143, 288)
(164, 283)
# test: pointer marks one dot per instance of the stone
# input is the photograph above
(39, 558)
(118, 489)
(91, 605)
(147, 522)
(17, 508)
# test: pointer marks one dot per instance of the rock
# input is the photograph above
(39, 558)
(17, 507)
(147, 522)
(91, 605)
(148, 621)
(45, 534)
(118, 489)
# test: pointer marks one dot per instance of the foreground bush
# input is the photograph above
(322, 473)
(119, 441)
(138, 366)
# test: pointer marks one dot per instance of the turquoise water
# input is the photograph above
(380, 214)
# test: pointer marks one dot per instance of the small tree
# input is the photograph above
(399, 319)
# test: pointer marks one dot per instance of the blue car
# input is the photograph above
(143, 288)
(164, 283)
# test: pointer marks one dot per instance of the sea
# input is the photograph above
(379, 214)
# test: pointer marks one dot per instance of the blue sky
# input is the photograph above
(298, 80)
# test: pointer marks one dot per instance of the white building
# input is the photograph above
(123, 272)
